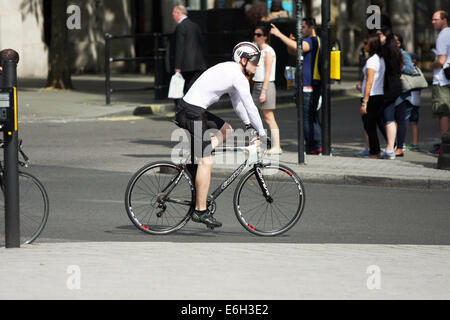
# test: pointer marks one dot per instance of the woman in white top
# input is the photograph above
(264, 92)
(373, 93)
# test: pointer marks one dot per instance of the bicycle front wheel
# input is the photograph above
(159, 198)
(33, 208)
(269, 218)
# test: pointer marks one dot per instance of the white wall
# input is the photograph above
(21, 29)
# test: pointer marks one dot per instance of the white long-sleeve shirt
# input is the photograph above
(226, 78)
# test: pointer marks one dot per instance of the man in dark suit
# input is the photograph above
(187, 48)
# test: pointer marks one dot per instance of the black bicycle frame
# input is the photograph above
(227, 182)
(235, 174)
(259, 177)
(168, 189)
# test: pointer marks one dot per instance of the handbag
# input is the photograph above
(415, 81)
(176, 87)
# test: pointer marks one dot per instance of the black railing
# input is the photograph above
(157, 58)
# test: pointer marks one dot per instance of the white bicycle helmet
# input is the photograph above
(246, 50)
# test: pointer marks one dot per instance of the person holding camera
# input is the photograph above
(311, 86)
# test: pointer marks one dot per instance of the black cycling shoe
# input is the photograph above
(206, 218)
(195, 216)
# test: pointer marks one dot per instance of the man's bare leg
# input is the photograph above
(203, 181)
(221, 136)
(204, 169)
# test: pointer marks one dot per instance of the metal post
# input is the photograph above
(326, 87)
(108, 67)
(444, 156)
(158, 60)
(11, 170)
(299, 80)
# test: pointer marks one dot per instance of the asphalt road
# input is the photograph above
(85, 167)
(87, 205)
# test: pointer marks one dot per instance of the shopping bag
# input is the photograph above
(176, 86)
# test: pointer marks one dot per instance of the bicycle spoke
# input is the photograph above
(262, 217)
(149, 189)
(278, 205)
(256, 212)
(276, 215)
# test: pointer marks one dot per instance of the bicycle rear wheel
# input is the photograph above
(33, 208)
(159, 198)
(269, 218)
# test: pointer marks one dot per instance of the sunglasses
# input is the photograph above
(258, 35)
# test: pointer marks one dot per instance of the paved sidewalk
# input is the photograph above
(169, 271)
(352, 170)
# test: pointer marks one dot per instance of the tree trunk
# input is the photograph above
(59, 65)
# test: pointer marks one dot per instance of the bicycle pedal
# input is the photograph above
(210, 227)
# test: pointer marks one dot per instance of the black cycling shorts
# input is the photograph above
(198, 122)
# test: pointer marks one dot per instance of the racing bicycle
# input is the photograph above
(268, 200)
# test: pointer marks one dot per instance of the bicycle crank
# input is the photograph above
(212, 207)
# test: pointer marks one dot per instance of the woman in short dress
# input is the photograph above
(264, 91)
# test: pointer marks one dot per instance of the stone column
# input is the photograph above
(316, 10)
(21, 29)
(97, 18)
(351, 28)
(402, 17)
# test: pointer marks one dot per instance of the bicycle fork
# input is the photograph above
(262, 184)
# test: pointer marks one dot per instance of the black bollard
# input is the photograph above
(325, 77)
(11, 160)
(108, 38)
(444, 156)
(161, 89)
(299, 79)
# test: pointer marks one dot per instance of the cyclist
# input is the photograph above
(192, 115)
